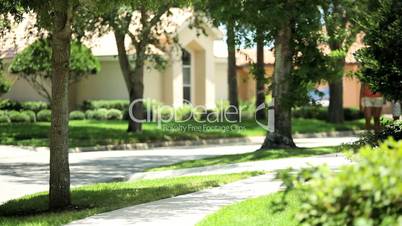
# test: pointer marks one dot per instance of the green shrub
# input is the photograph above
(106, 104)
(35, 106)
(77, 115)
(368, 192)
(100, 114)
(4, 117)
(390, 129)
(165, 113)
(352, 114)
(321, 113)
(44, 116)
(89, 114)
(185, 113)
(10, 105)
(18, 117)
(114, 114)
(31, 114)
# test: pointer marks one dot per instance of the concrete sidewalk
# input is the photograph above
(191, 208)
(25, 172)
(333, 160)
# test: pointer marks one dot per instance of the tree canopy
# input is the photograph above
(34, 64)
(381, 60)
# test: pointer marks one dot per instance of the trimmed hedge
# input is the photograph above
(105, 104)
(10, 105)
(44, 116)
(321, 113)
(114, 114)
(4, 117)
(100, 114)
(31, 115)
(34, 106)
(77, 115)
(19, 117)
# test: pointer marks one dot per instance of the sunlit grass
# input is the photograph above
(92, 199)
(94, 133)
(246, 157)
(259, 211)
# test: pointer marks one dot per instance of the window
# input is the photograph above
(186, 61)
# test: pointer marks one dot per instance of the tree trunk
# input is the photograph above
(232, 75)
(134, 83)
(59, 191)
(136, 93)
(335, 109)
(282, 136)
(260, 76)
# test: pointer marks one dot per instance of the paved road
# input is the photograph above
(24, 172)
(187, 210)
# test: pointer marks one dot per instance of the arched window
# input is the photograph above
(186, 61)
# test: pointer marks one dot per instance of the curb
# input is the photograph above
(206, 142)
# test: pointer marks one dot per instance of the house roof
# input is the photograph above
(21, 35)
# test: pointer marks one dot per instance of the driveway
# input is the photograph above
(24, 172)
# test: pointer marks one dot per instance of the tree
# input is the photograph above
(254, 21)
(56, 17)
(340, 33)
(59, 191)
(295, 26)
(9, 12)
(148, 25)
(4, 83)
(381, 60)
(34, 64)
(228, 14)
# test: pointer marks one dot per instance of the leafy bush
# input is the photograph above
(77, 115)
(31, 114)
(185, 113)
(4, 117)
(89, 114)
(18, 117)
(321, 113)
(44, 116)
(166, 113)
(114, 114)
(10, 105)
(311, 112)
(247, 109)
(35, 106)
(100, 114)
(105, 104)
(365, 193)
(390, 129)
(352, 114)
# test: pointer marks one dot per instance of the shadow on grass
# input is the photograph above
(252, 156)
(94, 133)
(98, 198)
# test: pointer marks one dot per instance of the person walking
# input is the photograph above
(371, 104)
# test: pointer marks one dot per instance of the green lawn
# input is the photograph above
(246, 157)
(98, 198)
(260, 211)
(93, 133)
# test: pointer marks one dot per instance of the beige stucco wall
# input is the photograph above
(109, 84)
(20, 90)
(164, 86)
(221, 79)
(203, 59)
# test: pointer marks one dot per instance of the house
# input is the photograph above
(351, 84)
(195, 73)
